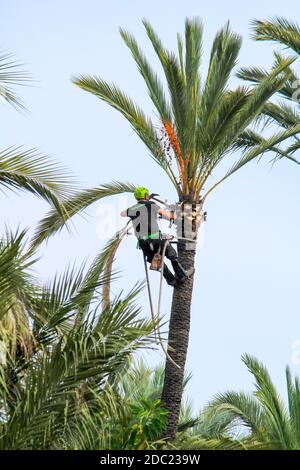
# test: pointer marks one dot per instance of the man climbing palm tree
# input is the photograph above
(144, 220)
(200, 123)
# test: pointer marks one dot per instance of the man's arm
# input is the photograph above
(168, 215)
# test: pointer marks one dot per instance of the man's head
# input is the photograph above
(141, 193)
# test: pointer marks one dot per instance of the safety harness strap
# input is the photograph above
(152, 236)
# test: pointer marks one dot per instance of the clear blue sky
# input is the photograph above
(248, 270)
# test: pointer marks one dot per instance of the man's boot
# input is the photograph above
(181, 274)
(169, 276)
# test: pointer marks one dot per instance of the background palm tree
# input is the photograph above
(141, 388)
(66, 371)
(265, 416)
(143, 419)
(199, 124)
(16, 288)
(286, 111)
(22, 170)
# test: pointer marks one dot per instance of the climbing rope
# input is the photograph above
(156, 318)
(150, 298)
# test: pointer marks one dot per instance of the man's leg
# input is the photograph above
(181, 273)
(158, 245)
(169, 277)
(148, 253)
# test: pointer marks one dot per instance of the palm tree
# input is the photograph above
(66, 372)
(27, 169)
(195, 128)
(22, 170)
(141, 388)
(264, 416)
(285, 112)
(143, 419)
(15, 294)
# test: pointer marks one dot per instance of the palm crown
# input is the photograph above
(198, 122)
(202, 120)
(286, 111)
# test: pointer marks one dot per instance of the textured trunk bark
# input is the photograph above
(178, 340)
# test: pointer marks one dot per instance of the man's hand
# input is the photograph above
(168, 215)
(123, 213)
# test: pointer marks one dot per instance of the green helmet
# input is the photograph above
(141, 192)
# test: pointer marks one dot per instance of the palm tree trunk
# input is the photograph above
(178, 341)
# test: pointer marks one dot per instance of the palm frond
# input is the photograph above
(16, 294)
(291, 149)
(238, 408)
(282, 114)
(54, 222)
(155, 88)
(180, 54)
(245, 115)
(257, 100)
(58, 385)
(226, 443)
(255, 75)
(193, 55)
(279, 427)
(109, 253)
(54, 307)
(280, 30)
(231, 103)
(175, 81)
(266, 145)
(30, 171)
(293, 389)
(223, 59)
(11, 76)
(141, 124)
(247, 140)
(69, 298)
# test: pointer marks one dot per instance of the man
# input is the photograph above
(144, 216)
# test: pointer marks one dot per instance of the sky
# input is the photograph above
(246, 296)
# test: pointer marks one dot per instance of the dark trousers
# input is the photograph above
(151, 247)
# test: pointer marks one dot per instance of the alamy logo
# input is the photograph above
(188, 218)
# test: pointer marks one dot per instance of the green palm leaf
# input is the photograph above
(141, 124)
(278, 425)
(265, 145)
(155, 88)
(30, 171)
(11, 76)
(55, 221)
(75, 368)
(16, 295)
(280, 30)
